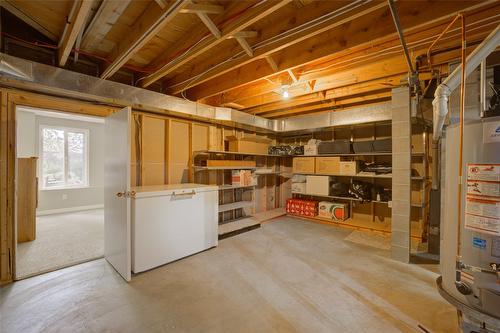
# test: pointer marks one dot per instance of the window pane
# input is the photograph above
(53, 157)
(76, 159)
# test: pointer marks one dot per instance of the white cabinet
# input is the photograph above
(170, 222)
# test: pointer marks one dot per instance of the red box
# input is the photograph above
(308, 208)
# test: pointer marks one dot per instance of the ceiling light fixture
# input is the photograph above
(285, 93)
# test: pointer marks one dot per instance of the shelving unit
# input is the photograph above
(240, 207)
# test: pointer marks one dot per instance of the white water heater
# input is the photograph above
(471, 281)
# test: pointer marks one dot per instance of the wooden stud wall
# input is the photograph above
(9, 99)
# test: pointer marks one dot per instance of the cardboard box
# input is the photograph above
(299, 179)
(319, 185)
(249, 144)
(303, 164)
(231, 163)
(327, 165)
(349, 168)
(242, 178)
(298, 187)
(311, 149)
(333, 210)
(307, 208)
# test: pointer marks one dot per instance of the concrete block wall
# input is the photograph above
(401, 174)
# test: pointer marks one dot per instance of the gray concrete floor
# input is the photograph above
(288, 276)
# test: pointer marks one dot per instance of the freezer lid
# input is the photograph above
(171, 189)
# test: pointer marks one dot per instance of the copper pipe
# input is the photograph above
(439, 37)
(461, 144)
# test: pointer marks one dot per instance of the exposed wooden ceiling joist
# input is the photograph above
(76, 23)
(476, 32)
(242, 23)
(29, 20)
(106, 16)
(310, 30)
(340, 92)
(364, 31)
(331, 104)
(202, 8)
(145, 28)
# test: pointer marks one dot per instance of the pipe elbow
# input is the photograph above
(440, 109)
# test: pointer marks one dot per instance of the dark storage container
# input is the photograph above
(383, 145)
(334, 147)
(363, 146)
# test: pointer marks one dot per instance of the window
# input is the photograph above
(64, 157)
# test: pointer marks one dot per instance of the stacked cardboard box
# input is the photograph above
(308, 208)
(299, 184)
(333, 210)
(242, 178)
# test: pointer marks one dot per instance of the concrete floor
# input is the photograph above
(62, 240)
(288, 276)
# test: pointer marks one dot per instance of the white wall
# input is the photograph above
(28, 124)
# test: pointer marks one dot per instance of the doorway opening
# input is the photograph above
(59, 190)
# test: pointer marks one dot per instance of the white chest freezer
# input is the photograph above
(170, 222)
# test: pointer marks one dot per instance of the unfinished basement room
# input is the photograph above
(250, 166)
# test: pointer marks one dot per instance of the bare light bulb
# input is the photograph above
(285, 94)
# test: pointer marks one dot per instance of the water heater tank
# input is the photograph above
(471, 281)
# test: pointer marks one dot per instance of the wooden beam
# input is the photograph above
(106, 16)
(331, 105)
(340, 92)
(76, 23)
(209, 24)
(359, 33)
(8, 5)
(343, 61)
(359, 72)
(245, 46)
(162, 3)
(245, 34)
(202, 8)
(144, 29)
(243, 22)
(292, 76)
(272, 63)
(282, 43)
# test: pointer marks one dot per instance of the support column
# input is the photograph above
(401, 174)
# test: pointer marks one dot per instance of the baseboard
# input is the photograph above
(67, 210)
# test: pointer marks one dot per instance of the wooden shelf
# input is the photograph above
(340, 198)
(235, 205)
(224, 168)
(234, 225)
(387, 176)
(270, 214)
(232, 187)
(236, 153)
(348, 154)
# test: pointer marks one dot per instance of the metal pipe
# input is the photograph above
(461, 143)
(395, 17)
(437, 39)
(443, 91)
(482, 87)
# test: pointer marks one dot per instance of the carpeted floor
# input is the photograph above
(62, 240)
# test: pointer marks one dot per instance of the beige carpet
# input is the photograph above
(62, 240)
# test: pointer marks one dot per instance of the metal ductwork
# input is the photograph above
(27, 75)
(444, 90)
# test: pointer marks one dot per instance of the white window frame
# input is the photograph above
(66, 129)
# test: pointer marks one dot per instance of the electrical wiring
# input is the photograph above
(414, 44)
(287, 34)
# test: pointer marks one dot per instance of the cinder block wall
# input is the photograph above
(401, 174)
